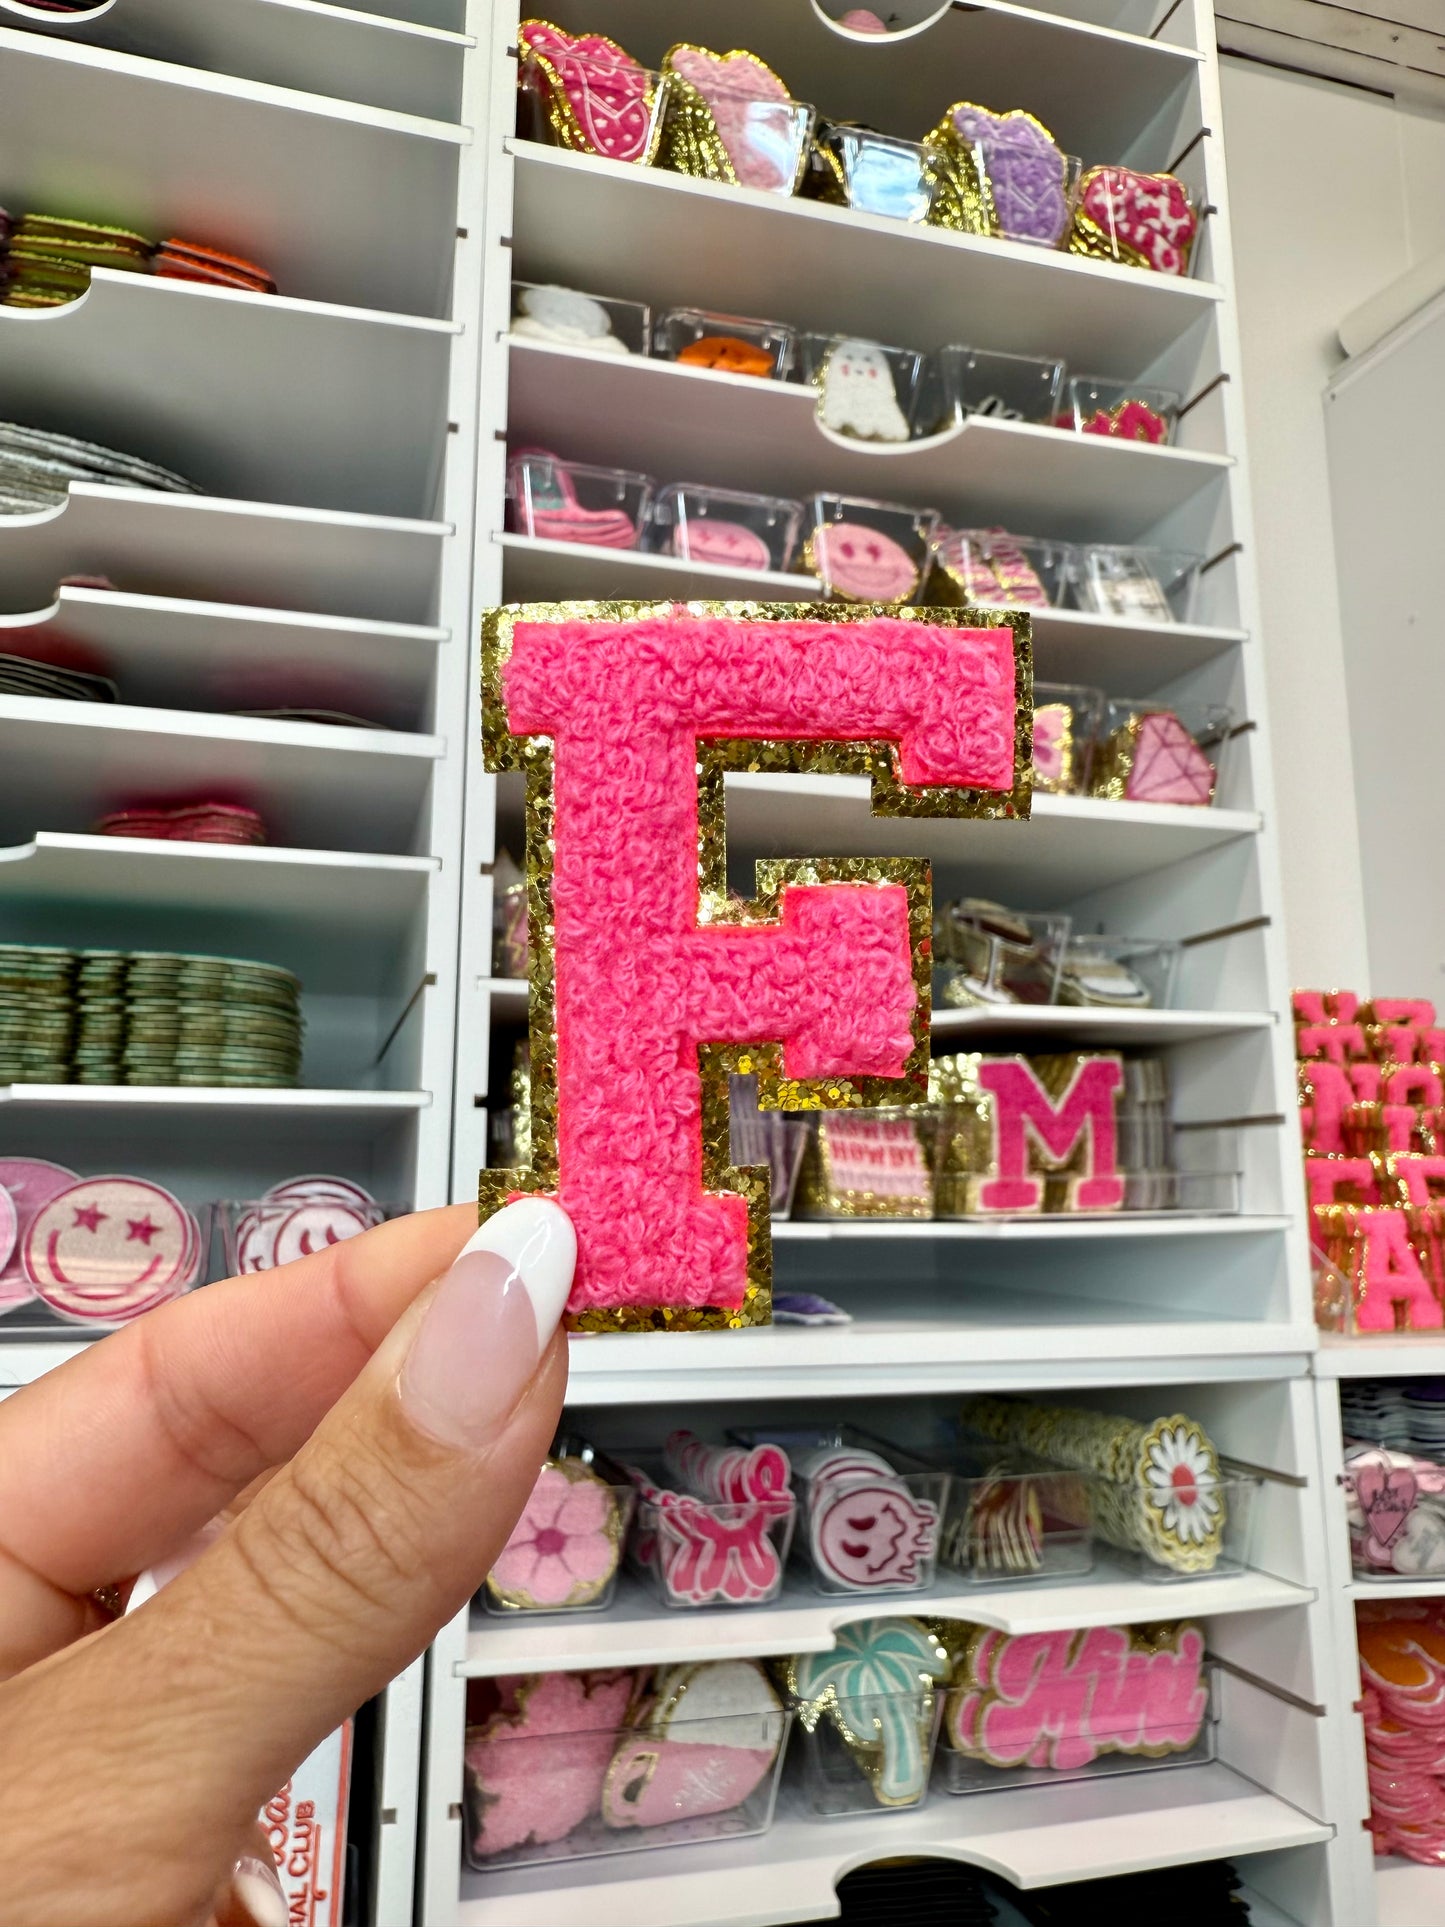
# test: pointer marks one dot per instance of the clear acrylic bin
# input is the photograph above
(586, 94)
(881, 174)
(725, 123)
(772, 1138)
(867, 391)
(1014, 1518)
(94, 1305)
(1182, 1528)
(729, 343)
(1135, 220)
(723, 528)
(1128, 411)
(869, 1512)
(988, 1744)
(570, 319)
(1066, 724)
(702, 1552)
(260, 1233)
(867, 1754)
(565, 1551)
(1148, 754)
(616, 1788)
(1002, 175)
(1001, 387)
(557, 501)
(866, 551)
(1135, 585)
(1119, 973)
(987, 954)
(991, 569)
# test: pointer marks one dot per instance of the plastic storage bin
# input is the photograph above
(718, 129)
(259, 1233)
(565, 1551)
(557, 501)
(987, 954)
(645, 1778)
(728, 343)
(1135, 585)
(869, 1754)
(866, 551)
(1135, 220)
(1128, 411)
(869, 1513)
(1013, 1518)
(100, 1298)
(1139, 1710)
(723, 528)
(1150, 754)
(1066, 724)
(1197, 1525)
(878, 173)
(600, 102)
(1001, 175)
(570, 319)
(1119, 973)
(1000, 387)
(991, 569)
(703, 1552)
(867, 391)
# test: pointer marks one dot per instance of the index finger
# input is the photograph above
(113, 1459)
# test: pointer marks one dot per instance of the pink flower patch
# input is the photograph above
(565, 1546)
(535, 1770)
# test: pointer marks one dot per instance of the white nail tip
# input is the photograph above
(262, 1900)
(536, 1238)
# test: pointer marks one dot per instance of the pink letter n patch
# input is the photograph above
(648, 982)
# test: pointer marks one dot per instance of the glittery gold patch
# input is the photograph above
(890, 796)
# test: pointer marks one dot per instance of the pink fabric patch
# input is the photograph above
(1024, 1113)
(537, 1768)
(561, 1546)
(1391, 1277)
(639, 985)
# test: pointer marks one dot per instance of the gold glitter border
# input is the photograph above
(890, 796)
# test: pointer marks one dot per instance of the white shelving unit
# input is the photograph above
(332, 427)
(1208, 1315)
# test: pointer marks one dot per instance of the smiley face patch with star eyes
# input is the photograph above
(109, 1248)
(861, 564)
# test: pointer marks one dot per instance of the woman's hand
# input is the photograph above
(370, 1443)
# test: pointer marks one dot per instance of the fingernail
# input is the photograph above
(257, 1887)
(489, 1322)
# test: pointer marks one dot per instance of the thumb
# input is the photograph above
(346, 1564)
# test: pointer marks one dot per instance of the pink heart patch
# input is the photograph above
(1388, 1498)
(1149, 214)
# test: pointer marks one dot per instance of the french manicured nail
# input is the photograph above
(488, 1323)
(257, 1887)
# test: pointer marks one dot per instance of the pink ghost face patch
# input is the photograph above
(872, 1536)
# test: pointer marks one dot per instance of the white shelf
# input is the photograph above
(1406, 1894)
(119, 1099)
(1032, 1836)
(334, 898)
(1398, 1590)
(681, 424)
(181, 652)
(247, 395)
(1068, 643)
(1097, 89)
(354, 56)
(380, 568)
(637, 1630)
(1421, 1355)
(1078, 1228)
(955, 1341)
(665, 238)
(1071, 845)
(337, 202)
(63, 764)
(1125, 1027)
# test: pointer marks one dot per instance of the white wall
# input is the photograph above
(1333, 193)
